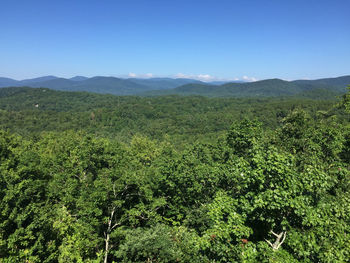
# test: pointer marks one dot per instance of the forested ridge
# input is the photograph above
(29, 111)
(97, 178)
(180, 86)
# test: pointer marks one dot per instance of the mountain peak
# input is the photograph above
(39, 79)
(78, 78)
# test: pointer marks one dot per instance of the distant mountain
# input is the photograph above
(5, 82)
(78, 78)
(337, 84)
(36, 80)
(99, 84)
(163, 83)
(109, 85)
(167, 86)
(263, 88)
(57, 83)
(221, 82)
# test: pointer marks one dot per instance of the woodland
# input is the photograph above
(89, 177)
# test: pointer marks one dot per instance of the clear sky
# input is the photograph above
(207, 39)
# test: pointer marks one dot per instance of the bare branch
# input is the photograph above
(274, 234)
(276, 245)
(269, 242)
(107, 234)
(115, 225)
(115, 195)
(284, 238)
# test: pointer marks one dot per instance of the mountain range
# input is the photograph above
(263, 88)
(182, 86)
(100, 84)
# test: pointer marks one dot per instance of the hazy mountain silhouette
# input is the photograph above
(181, 86)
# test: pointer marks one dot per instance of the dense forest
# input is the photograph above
(98, 178)
(28, 111)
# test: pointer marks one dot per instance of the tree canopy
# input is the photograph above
(254, 193)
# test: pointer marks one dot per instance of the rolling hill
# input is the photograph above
(99, 84)
(263, 88)
(168, 86)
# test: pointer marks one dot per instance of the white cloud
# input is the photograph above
(141, 76)
(205, 77)
(209, 78)
(201, 77)
(181, 76)
(249, 79)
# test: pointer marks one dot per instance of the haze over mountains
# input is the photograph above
(182, 86)
(100, 84)
(266, 88)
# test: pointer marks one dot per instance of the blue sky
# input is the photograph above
(205, 39)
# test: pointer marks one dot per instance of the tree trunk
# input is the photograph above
(106, 248)
(107, 234)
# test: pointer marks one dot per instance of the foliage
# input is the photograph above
(29, 111)
(254, 194)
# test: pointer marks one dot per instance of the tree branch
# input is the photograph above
(269, 242)
(276, 245)
(277, 235)
(284, 238)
